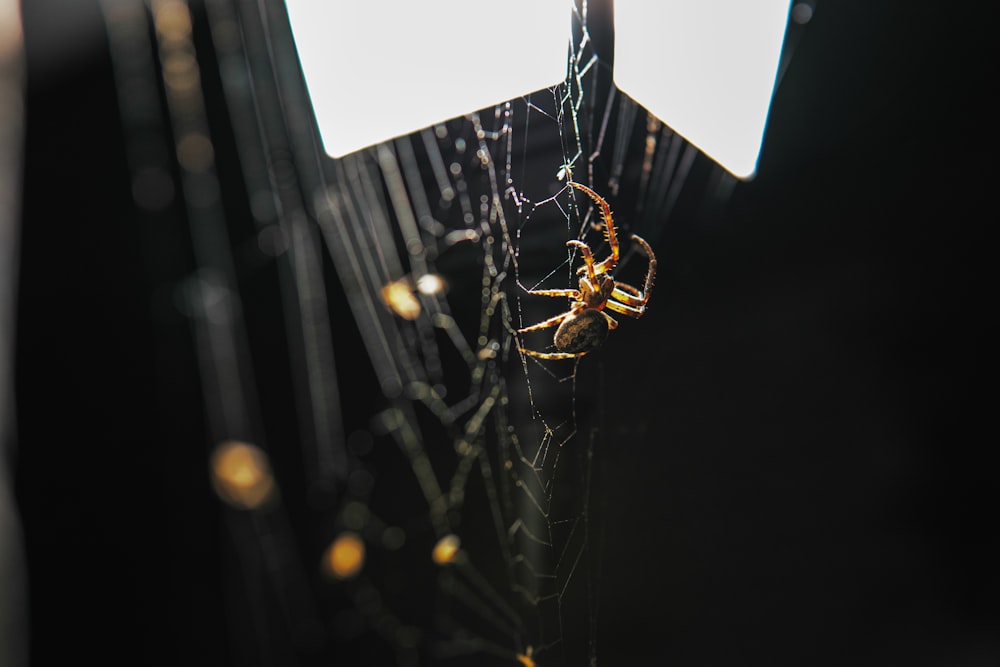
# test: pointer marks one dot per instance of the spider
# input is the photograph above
(585, 326)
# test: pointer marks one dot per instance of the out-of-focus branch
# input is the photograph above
(13, 574)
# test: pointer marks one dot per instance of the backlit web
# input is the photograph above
(402, 486)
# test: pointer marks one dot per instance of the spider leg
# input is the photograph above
(650, 270)
(609, 226)
(633, 296)
(612, 322)
(552, 355)
(571, 293)
(628, 290)
(588, 259)
(625, 309)
(545, 324)
(628, 295)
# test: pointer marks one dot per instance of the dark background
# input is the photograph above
(805, 480)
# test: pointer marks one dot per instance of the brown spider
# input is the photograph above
(586, 324)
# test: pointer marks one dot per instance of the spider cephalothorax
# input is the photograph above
(586, 324)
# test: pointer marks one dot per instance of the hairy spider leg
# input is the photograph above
(569, 293)
(609, 226)
(553, 355)
(588, 259)
(650, 269)
(625, 309)
(633, 296)
(626, 294)
(551, 322)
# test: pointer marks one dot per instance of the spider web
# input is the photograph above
(392, 408)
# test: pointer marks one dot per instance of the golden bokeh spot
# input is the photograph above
(172, 18)
(180, 72)
(241, 474)
(195, 152)
(446, 549)
(398, 296)
(345, 556)
(525, 658)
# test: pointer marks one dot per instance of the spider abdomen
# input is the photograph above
(582, 332)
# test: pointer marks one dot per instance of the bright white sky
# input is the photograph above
(706, 69)
(381, 69)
